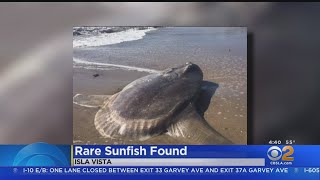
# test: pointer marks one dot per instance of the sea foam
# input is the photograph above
(110, 38)
(132, 68)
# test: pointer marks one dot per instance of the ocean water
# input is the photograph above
(90, 37)
(156, 48)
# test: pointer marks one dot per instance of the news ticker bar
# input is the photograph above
(250, 172)
(169, 162)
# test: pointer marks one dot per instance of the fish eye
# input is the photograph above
(170, 74)
(168, 70)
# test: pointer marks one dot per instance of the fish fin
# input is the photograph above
(191, 126)
(204, 97)
(91, 101)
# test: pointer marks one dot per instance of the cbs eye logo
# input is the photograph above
(275, 153)
(40, 154)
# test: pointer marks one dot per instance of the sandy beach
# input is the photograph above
(221, 53)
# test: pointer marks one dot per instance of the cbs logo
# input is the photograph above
(275, 153)
(40, 154)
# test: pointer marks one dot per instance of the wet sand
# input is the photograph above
(223, 64)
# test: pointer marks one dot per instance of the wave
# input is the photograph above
(100, 36)
(95, 64)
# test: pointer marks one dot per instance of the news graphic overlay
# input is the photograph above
(159, 156)
(253, 161)
(298, 162)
